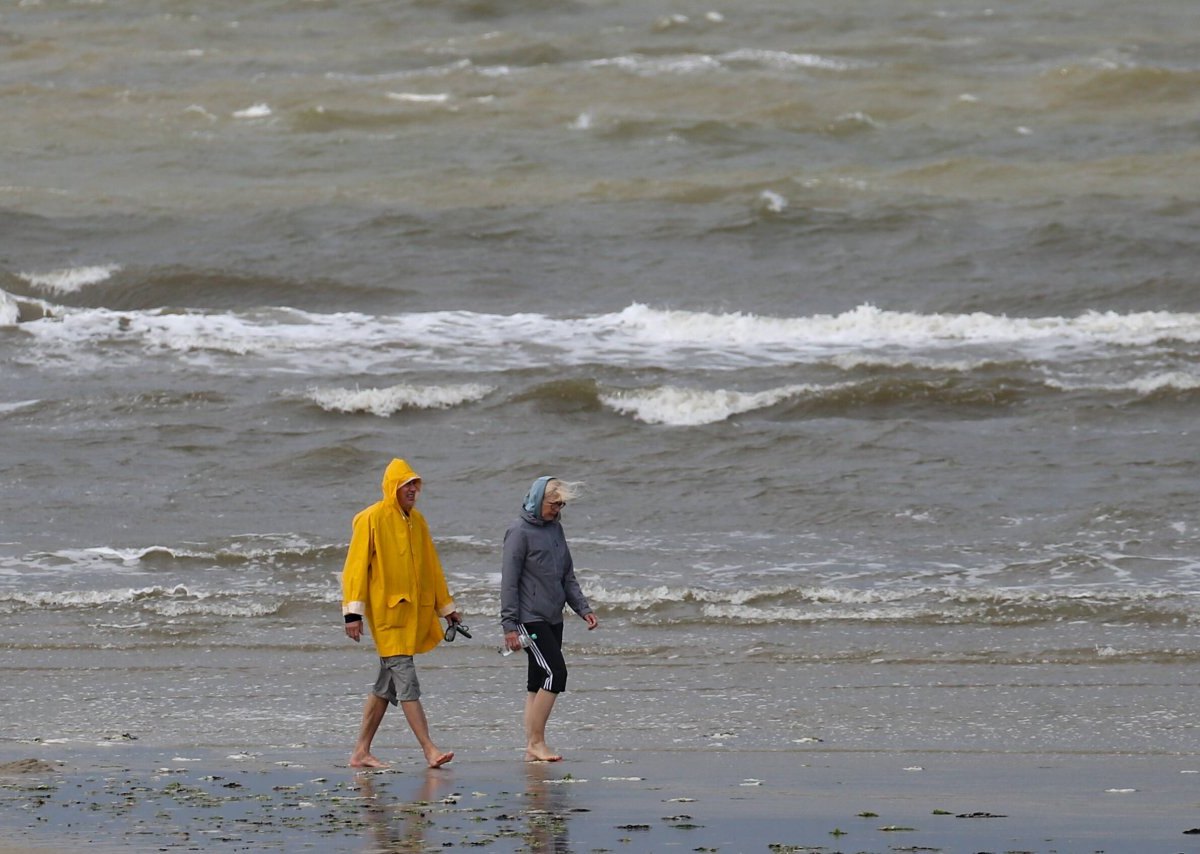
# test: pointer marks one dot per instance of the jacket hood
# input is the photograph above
(533, 499)
(397, 473)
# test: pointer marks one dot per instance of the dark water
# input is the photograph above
(874, 332)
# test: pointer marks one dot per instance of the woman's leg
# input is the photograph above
(547, 678)
(537, 712)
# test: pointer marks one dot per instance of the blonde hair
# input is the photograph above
(564, 490)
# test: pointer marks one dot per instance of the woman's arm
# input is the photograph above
(512, 565)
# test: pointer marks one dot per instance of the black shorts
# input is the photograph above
(547, 668)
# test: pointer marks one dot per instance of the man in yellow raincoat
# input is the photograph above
(394, 578)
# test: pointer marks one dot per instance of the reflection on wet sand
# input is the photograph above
(546, 809)
(404, 815)
(399, 823)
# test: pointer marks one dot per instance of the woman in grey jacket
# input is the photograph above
(537, 581)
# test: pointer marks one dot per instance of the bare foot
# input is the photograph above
(366, 761)
(541, 753)
(436, 758)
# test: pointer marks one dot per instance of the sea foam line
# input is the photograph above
(636, 336)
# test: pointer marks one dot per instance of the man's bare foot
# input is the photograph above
(436, 758)
(366, 761)
(541, 753)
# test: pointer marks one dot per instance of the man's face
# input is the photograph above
(407, 493)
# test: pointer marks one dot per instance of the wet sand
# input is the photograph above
(148, 799)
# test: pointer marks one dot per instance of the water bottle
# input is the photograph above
(524, 639)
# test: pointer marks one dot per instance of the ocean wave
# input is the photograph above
(7, 407)
(637, 336)
(782, 60)
(685, 407)
(1107, 84)
(1151, 385)
(742, 58)
(185, 290)
(277, 551)
(16, 309)
(247, 582)
(387, 401)
(88, 599)
(333, 120)
(178, 600)
(869, 326)
(985, 605)
(70, 280)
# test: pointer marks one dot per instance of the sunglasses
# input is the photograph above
(558, 504)
(458, 629)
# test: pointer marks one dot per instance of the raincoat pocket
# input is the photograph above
(398, 609)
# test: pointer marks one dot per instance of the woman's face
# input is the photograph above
(552, 505)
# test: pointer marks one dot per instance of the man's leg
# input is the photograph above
(414, 712)
(373, 712)
(537, 712)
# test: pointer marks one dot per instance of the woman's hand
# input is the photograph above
(591, 621)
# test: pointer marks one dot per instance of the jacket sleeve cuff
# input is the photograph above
(354, 608)
(448, 608)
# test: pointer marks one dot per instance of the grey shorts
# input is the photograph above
(397, 679)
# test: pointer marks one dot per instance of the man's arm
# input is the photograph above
(356, 575)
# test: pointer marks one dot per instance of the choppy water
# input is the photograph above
(873, 328)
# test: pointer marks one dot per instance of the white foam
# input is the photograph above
(637, 336)
(128, 556)
(387, 401)
(1145, 385)
(869, 326)
(70, 280)
(15, 405)
(686, 407)
(1171, 380)
(785, 61)
(256, 111)
(772, 202)
(417, 98)
(236, 607)
(10, 312)
(92, 598)
(658, 65)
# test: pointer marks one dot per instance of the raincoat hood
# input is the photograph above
(398, 473)
(533, 499)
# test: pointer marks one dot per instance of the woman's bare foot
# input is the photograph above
(436, 758)
(366, 761)
(541, 753)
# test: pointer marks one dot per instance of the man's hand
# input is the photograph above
(591, 621)
(354, 630)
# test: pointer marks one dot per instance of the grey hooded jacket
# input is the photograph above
(538, 576)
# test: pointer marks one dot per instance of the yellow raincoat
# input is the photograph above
(392, 574)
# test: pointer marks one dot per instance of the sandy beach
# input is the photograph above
(149, 799)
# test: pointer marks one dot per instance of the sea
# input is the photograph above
(872, 330)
